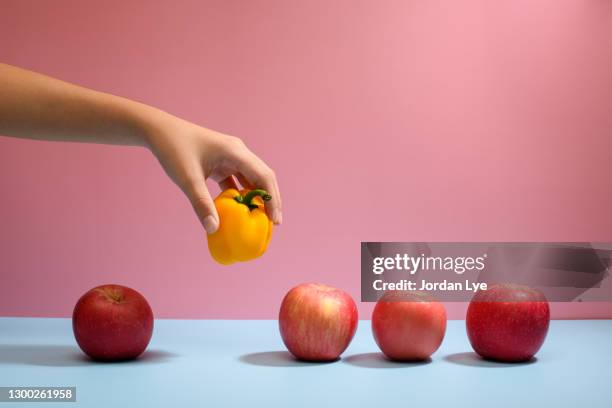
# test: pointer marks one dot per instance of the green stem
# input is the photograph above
(248, 197)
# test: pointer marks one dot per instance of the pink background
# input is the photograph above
(385, 120)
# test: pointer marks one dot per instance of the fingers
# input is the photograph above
(257, 173)
(277, 214)
(230, 182)
(203, 205)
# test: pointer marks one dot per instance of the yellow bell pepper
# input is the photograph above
(244, 227)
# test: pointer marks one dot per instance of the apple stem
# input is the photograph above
(248, 197)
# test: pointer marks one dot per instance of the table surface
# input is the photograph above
(235, 363)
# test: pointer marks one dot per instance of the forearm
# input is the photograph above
(35, 106)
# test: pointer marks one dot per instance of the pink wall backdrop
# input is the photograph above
(385, 120)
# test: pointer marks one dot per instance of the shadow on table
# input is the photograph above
(378, 360)
(474, 360)
(66, 356)
(278, 359)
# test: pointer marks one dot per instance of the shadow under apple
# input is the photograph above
(67, 356)
(378, 360)
(278, 359)
(472, 359)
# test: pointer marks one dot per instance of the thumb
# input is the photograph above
(204, 206)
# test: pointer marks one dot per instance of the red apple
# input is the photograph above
(408, 326)
(508, 322)
(112, 322)
(317, 322)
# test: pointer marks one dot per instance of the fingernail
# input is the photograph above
(210, 224)
(277, 217)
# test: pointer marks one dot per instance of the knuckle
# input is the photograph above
(196, 192)
(270, 174)
(234, 147)
(202, 200)
(202, 204)
(236, 142)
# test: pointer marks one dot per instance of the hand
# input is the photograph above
(190, 154)
(35, 106)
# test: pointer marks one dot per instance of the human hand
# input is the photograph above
(35, 106)
(191, 154)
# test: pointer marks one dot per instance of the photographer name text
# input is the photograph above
(410, 285)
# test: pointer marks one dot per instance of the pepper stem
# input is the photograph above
(248, 197)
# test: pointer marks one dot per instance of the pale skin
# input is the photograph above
(35, 106)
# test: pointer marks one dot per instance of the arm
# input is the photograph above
(35, 106)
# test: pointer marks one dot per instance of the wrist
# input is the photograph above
(141, 123)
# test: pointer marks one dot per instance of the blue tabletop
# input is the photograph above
(220, 363)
